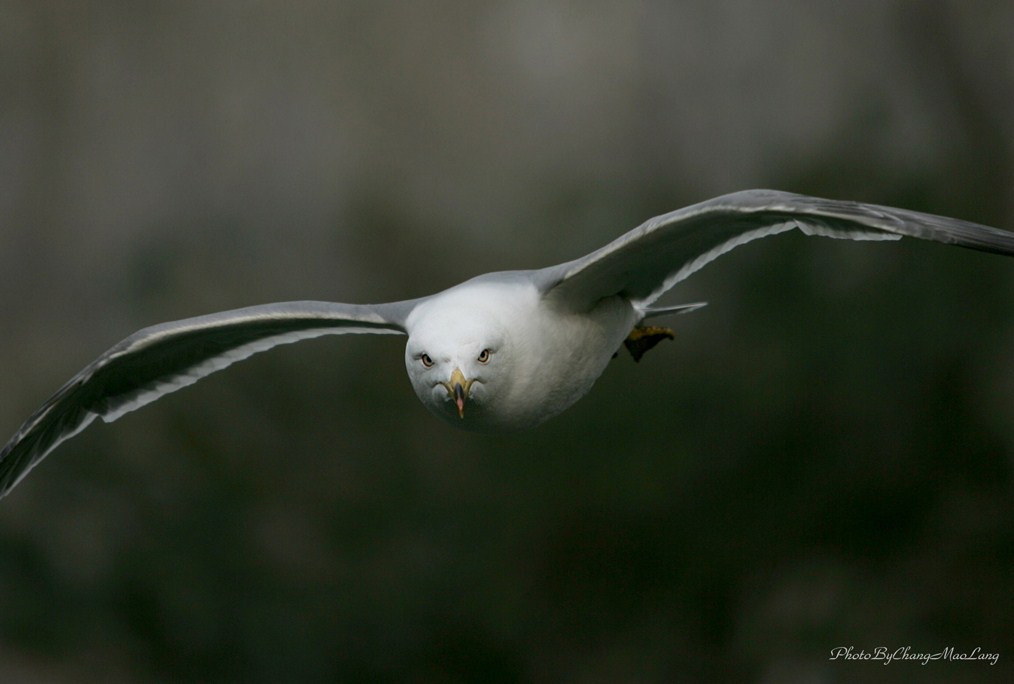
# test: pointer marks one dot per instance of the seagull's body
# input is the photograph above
(554, 355)
(502, 351)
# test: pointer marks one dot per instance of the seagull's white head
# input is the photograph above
(457, 367)
(458, 361)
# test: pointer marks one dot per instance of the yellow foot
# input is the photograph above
(640, 340)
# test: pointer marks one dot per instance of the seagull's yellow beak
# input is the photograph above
(457, 388)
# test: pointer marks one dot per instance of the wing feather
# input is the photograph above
(644, 263)
(164, 358)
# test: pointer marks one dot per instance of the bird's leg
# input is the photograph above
(643, 338)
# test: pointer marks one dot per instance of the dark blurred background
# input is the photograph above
(822, 458)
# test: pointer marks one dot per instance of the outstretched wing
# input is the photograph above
(163, 358)
(642, 264)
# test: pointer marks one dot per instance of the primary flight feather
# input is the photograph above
(502, 351)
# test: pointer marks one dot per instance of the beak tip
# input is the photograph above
(458, 388)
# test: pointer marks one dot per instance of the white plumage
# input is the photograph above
(503, 351)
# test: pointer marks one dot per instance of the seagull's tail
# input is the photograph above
(653, 311)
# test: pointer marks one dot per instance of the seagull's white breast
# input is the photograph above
(544, 358)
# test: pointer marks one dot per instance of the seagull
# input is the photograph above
(503, 351)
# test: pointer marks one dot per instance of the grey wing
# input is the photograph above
(163, 358)
(642, 264)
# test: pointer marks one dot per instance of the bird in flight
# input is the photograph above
(502, 351)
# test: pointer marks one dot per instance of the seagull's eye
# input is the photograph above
(485, 355)
(425, 359)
